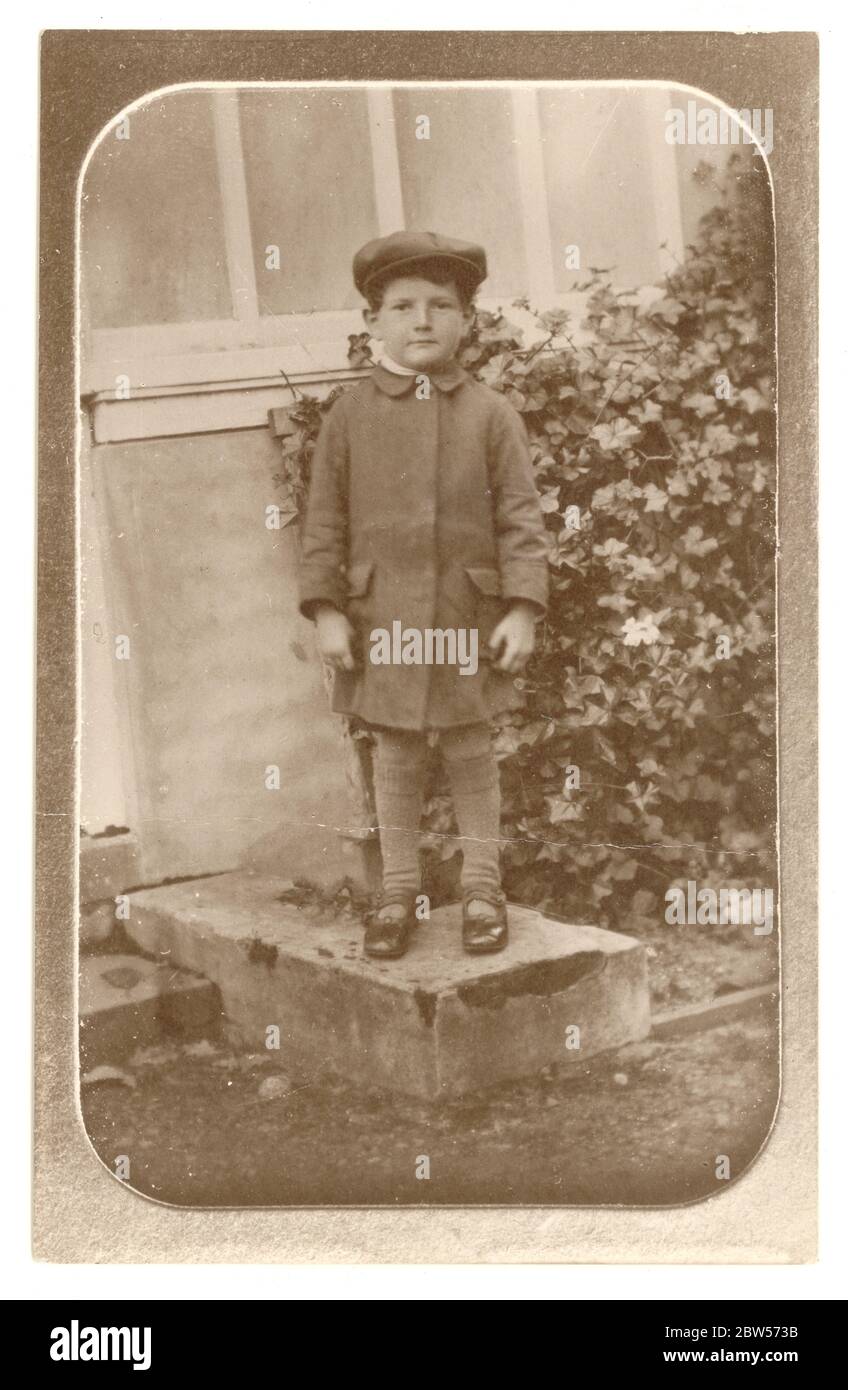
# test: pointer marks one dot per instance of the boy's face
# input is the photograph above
(420, 324)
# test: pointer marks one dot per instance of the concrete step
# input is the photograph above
(127, 1002)
(435, 1023)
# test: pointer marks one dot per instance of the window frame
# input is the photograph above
(254, 346)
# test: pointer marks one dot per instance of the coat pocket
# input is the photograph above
(484, 578)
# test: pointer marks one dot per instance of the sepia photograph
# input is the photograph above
(427, 544)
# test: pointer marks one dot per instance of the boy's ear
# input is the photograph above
(370, 316)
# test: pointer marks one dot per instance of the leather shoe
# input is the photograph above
(484, 934)
(389, 937)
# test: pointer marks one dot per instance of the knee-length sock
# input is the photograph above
(399, 772)
(475, 785)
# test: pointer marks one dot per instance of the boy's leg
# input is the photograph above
(475, 784)
(399, 772)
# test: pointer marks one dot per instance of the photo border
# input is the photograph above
(80, 1214)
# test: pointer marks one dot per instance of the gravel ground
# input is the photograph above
(203, 1124)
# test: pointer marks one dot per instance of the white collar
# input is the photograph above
(392, 366)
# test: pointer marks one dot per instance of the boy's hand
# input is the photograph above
(516, 635)
(334, 638)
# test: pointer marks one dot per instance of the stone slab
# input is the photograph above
(108, 864)
(436, 1023)
(127, 1002)
(96, 924)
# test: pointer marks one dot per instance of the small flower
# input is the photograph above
(639, 631)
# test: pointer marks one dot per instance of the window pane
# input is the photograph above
(310, 188)
(462, 181)
(600, 183)
(152, 225)
(698, 168)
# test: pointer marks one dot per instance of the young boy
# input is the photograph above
(424, 568)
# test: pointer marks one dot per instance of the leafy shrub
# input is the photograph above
(646, 753)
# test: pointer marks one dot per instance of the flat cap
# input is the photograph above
(402, 251)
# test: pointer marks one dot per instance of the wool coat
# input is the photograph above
(422, 510)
